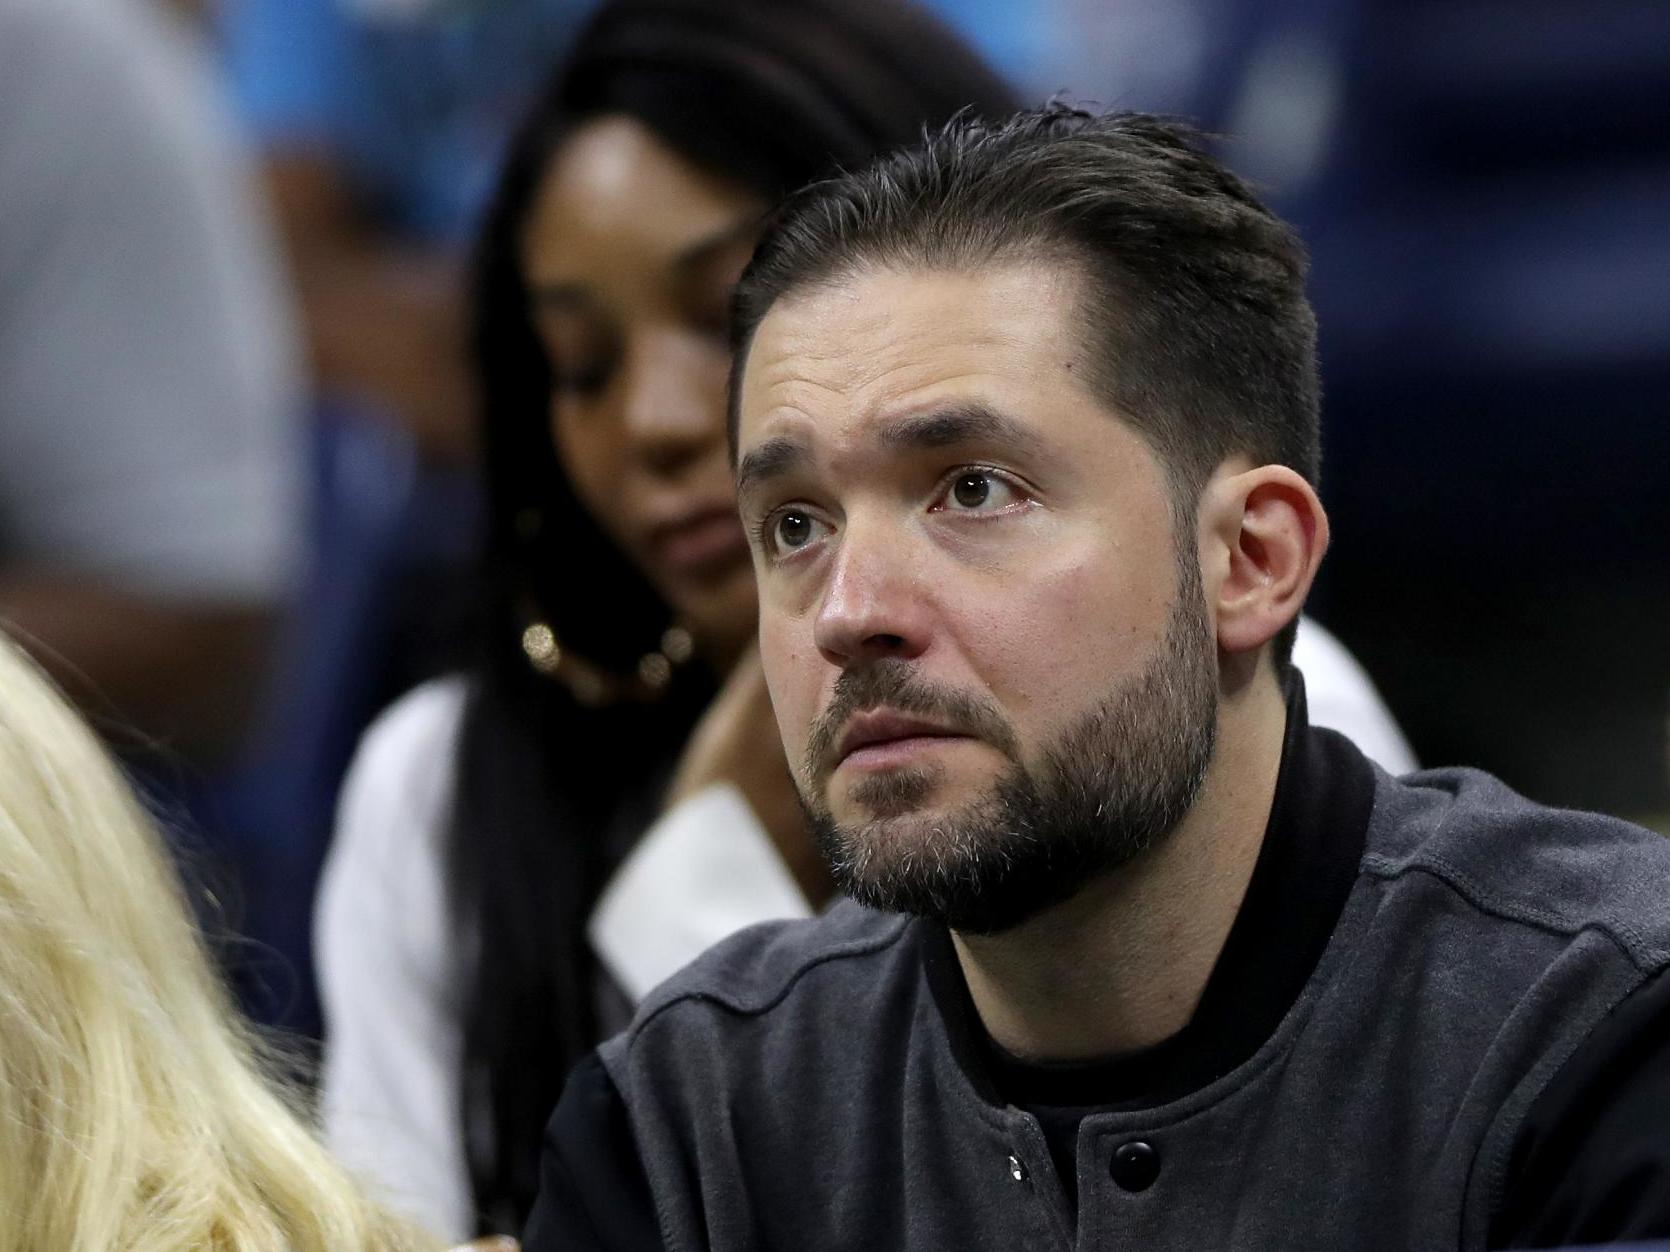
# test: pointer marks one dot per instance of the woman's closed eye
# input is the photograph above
(581, 347)
(579, 377)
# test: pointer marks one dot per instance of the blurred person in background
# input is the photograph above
(136, 1109)
(149, 461)
(381, 124)
(494, 905)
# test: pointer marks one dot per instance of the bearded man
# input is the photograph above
(1026, 434)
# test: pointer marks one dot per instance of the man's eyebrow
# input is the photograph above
(960, 423)
(771, 459)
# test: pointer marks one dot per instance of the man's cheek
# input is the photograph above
(787, 679)
(1069, 636)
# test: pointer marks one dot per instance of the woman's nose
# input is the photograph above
(673, 398)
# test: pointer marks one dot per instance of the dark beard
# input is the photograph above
(1108, 789)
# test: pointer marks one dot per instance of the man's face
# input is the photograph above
(986, 643)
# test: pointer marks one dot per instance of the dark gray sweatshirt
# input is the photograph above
(815, 1085)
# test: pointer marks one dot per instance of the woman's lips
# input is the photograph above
(702, 544)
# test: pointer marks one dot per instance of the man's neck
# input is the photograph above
(1121, 966)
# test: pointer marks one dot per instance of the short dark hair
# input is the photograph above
(1194, 311)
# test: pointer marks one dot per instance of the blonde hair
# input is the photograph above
(136, 1114)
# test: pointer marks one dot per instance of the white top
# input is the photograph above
(390, 966)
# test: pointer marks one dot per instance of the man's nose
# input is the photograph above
(872, 605)
(673, 398)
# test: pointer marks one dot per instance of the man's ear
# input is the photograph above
(1264, 531)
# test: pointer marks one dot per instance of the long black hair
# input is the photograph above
(766, 94)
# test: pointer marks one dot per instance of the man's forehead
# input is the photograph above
(872, 346)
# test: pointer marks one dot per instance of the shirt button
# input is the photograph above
(1135, 1165)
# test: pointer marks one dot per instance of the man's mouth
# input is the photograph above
(883, 739)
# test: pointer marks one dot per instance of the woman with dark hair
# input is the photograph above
(525, 850)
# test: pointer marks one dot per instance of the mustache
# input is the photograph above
(894, 683)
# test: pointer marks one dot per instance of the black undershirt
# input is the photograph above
(1591, 1164)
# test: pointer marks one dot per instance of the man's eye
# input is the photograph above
(792, 529)
(978, 490)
